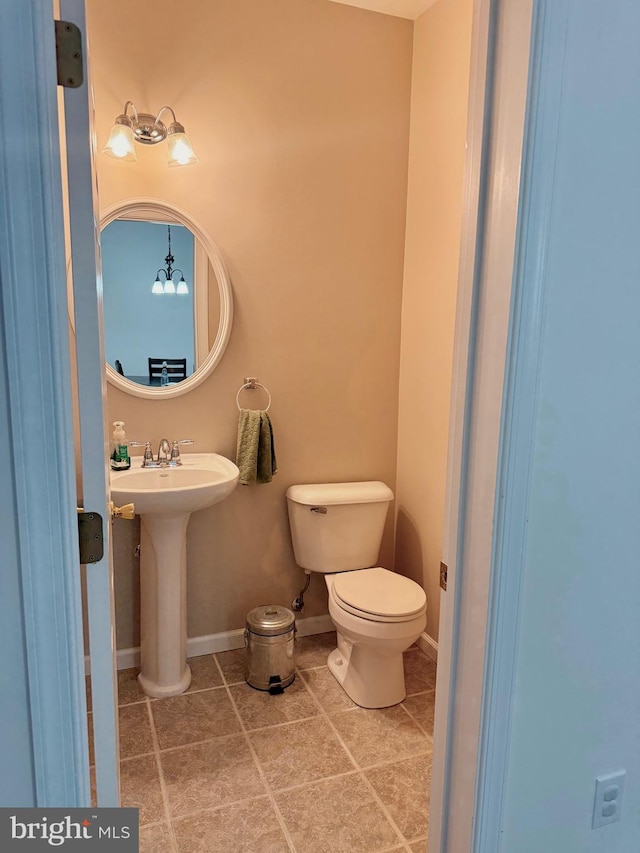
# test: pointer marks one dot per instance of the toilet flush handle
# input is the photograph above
(321, 510)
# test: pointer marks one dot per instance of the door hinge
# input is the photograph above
(90, 536)
(69, 55)
(444, 570)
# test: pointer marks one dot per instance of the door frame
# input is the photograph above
(81, 221)
(464, 777)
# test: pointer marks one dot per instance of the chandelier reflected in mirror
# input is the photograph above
(169, 285)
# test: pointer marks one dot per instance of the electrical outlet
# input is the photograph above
(608, 799)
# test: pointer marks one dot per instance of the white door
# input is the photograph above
(83, 224)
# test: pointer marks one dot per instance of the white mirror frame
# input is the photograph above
(150, 208)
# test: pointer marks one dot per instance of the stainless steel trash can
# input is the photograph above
(269, 639)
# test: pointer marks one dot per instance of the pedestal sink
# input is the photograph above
(164, 499)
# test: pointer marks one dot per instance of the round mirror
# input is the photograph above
(167, 301)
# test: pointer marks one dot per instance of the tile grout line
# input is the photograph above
(356, 769)
(389, 762)
(163, 787)
(427, 734)
(254, 755)
(417, 721)
(430, 753)
(331, 726)
(138, 755)
(196, 743)
(213, 809)
(377, 799)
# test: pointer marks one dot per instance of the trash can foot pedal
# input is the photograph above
(275, 685)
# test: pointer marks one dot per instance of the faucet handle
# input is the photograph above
(148, 453)
(175, 449)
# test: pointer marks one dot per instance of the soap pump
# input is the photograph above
(119, 448)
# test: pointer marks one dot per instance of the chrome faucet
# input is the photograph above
(164, 452)
(168, 454)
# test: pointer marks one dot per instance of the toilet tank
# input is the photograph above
(337, 527)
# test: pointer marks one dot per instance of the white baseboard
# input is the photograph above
(210, 643)
(226, 640)
(428, 645)
(222, 642)
(314, 625)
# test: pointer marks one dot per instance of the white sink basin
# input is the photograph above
(164, 499)
(203, 479)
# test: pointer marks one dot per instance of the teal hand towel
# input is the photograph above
(255, 452)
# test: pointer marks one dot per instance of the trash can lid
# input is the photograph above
(270, 620)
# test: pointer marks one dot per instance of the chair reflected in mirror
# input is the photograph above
(176, 370)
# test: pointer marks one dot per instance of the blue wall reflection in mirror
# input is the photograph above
(139, 324)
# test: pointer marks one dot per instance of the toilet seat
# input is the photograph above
(378, 595)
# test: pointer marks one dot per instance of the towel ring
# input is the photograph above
(252, 384)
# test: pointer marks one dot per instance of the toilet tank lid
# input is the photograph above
(327, 494)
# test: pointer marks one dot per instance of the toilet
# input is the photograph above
(336, 529)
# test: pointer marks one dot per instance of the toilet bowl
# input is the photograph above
(368, 662)
(336, 529)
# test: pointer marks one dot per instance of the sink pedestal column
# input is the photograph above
(164, 670)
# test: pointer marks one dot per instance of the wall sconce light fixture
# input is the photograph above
(147, 129)
(169, 286)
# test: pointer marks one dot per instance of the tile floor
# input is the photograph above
(224, 767)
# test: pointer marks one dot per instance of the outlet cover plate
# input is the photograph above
(608, 799)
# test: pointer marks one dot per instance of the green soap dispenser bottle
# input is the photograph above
(119, 448)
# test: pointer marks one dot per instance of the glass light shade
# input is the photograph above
(182, 287)
(180, 150)
(169, 286)
(120, 144)
(157, 287)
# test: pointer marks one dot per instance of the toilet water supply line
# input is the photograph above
(297, 605)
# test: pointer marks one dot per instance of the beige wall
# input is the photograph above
(441, 56)
(299, 113)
